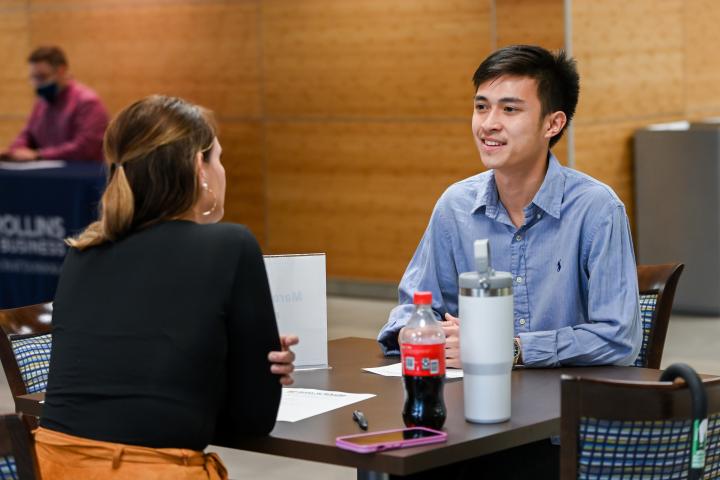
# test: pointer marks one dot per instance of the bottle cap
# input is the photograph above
(422, 298)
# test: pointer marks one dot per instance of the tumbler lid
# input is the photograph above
(484, 282)
(497, 284)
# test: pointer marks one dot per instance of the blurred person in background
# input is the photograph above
(68, 119)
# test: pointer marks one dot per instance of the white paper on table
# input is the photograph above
(33, 165)
(395, 370)
(301, 403)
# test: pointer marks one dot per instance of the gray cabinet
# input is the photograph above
(677, 178)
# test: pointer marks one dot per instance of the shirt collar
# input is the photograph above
(487, 196)
(548, 198)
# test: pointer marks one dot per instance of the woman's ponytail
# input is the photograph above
(151, 148)
(116, 213)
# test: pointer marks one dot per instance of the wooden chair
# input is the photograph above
(25, 347)
(624, 429)
(17, 451)
(657, 291)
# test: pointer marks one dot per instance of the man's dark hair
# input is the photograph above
(52, 55)
(558, 82)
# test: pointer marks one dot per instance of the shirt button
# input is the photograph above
(522, 321)
(539, 216)
(519, 279)
(518, 237)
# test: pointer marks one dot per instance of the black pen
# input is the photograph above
(359, 417)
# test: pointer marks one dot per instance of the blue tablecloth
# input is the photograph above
(38, 210)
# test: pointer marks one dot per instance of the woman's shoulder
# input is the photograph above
(227, 245)
(234, 231)
(221, 235)
(179, 236)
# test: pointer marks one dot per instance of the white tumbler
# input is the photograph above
(486, 339)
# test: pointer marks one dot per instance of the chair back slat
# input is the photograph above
(648, 307)
(8, 469)
(32, 354)
(624, 430)
(623, 449)
(18, 327)
(17, 452)
(657, 285)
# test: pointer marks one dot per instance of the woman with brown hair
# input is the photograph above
(163, 325)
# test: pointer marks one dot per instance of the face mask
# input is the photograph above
(48, 92)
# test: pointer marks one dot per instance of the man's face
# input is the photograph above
(509, 132)
(42, 73)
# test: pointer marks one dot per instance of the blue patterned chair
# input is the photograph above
(17, 455)
(25, 343)
(657, 291)
(25, 347)
(633, 430)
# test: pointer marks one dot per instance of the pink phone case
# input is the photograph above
(381, 446)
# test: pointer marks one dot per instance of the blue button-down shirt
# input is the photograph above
(575, 280)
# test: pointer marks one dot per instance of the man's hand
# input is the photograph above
(282, 362)
(451, 326)
(23, 154)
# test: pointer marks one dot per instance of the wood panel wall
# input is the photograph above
(640, 62)
(207, 52)
(15, 95)
(368, 106)
(517, 23)
(343, 121)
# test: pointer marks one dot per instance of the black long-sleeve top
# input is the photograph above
(161, 339)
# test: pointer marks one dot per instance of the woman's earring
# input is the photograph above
(206, 187)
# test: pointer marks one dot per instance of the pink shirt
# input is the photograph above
(70, 128)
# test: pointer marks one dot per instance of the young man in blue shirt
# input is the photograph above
(563, 235)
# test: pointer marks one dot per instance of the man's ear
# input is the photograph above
(555, 123)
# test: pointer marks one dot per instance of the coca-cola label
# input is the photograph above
(423, 360)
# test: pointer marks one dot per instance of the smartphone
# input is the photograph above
(387, 439)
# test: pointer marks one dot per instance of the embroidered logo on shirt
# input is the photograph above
(559, 266)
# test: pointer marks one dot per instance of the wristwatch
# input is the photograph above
(516, 350)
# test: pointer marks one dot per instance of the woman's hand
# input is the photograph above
(282, 361)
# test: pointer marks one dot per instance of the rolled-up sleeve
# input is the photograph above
(613, 332)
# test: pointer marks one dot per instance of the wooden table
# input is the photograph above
(535, 414)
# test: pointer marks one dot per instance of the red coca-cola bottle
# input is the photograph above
(422, 349)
